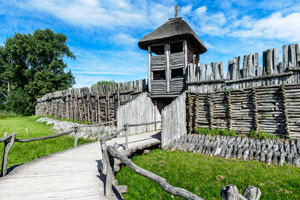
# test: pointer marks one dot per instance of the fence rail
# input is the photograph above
(9, 140)
(110, 153)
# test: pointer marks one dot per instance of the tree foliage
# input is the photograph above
(104, 83)
(32, 65)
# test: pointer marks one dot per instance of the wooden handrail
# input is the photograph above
(9, 140)
(152, 176)
(4, 138)
(109, 153)
(44, 138)
(143, 124)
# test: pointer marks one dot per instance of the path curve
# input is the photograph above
(71, 174)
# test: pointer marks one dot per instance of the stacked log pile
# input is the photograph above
(269, 151)
(96, 104)
(274, 109)
(245, 72)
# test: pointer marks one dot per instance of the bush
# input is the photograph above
(20, 102)
(262, 135)
(216, 131)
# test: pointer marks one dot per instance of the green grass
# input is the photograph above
(215, 131)
(69, 120)
(27, 127)
(205, 175)
(263, 135)
(6, 114)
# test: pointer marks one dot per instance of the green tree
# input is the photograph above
(104, 83)
(32, 65)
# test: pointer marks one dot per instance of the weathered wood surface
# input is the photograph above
(272, 72)
(274, 151)
(174, 120)
(274, 109)
(150, 175)
(96, 104)
(71, 174)
(139, 110)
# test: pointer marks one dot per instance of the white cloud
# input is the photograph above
(92, 12)
(123, 38)
(275, 26)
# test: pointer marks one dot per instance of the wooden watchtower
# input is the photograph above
(171, 47)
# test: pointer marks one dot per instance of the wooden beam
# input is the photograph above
(167, 54)
(185, 50)
(285, 110)
(150, 175)
(7, 146)
(149, 69)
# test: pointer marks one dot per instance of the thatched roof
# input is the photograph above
(174, 29)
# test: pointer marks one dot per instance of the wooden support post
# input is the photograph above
(67, 105)
(89, 110)
(76, 136)
(229, 110)
(149, 69)
(211, 112)
(126, 136)
(185, 50)
(7, 146)
(109, 173)
(167, 54)
(285, 111)
(255, 110)
(284, 57)
(98, 105)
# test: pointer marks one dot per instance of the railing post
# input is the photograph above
(7, 146)
(126, 136)
(109, 172)
(76, 136)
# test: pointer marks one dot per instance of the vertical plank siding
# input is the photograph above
(139, 110)
(173, 121)
(96, 104)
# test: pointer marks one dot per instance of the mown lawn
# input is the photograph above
(205, 175)
(27, 127)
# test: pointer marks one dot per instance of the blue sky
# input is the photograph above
(103, 34)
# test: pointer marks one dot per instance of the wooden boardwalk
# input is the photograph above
(71, 174)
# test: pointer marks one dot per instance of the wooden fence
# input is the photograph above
(173, 121)
(274, 109)
(109, 153)
(112, 157)
(9, 140)
(139, 110)
(96, 104)
(210, 77)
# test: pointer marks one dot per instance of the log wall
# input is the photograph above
(274, 109)
(244, 72)
(96, 104)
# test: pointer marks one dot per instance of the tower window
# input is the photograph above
(176, 47)
(158, 50)
(159, 75)
(177, 73)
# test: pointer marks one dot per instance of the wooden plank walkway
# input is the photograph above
(71, 174)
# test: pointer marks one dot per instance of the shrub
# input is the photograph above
(263, 135)
(216, 131)
(20, 102)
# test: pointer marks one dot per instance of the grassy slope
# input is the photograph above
(205, 175)
(25, 152)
